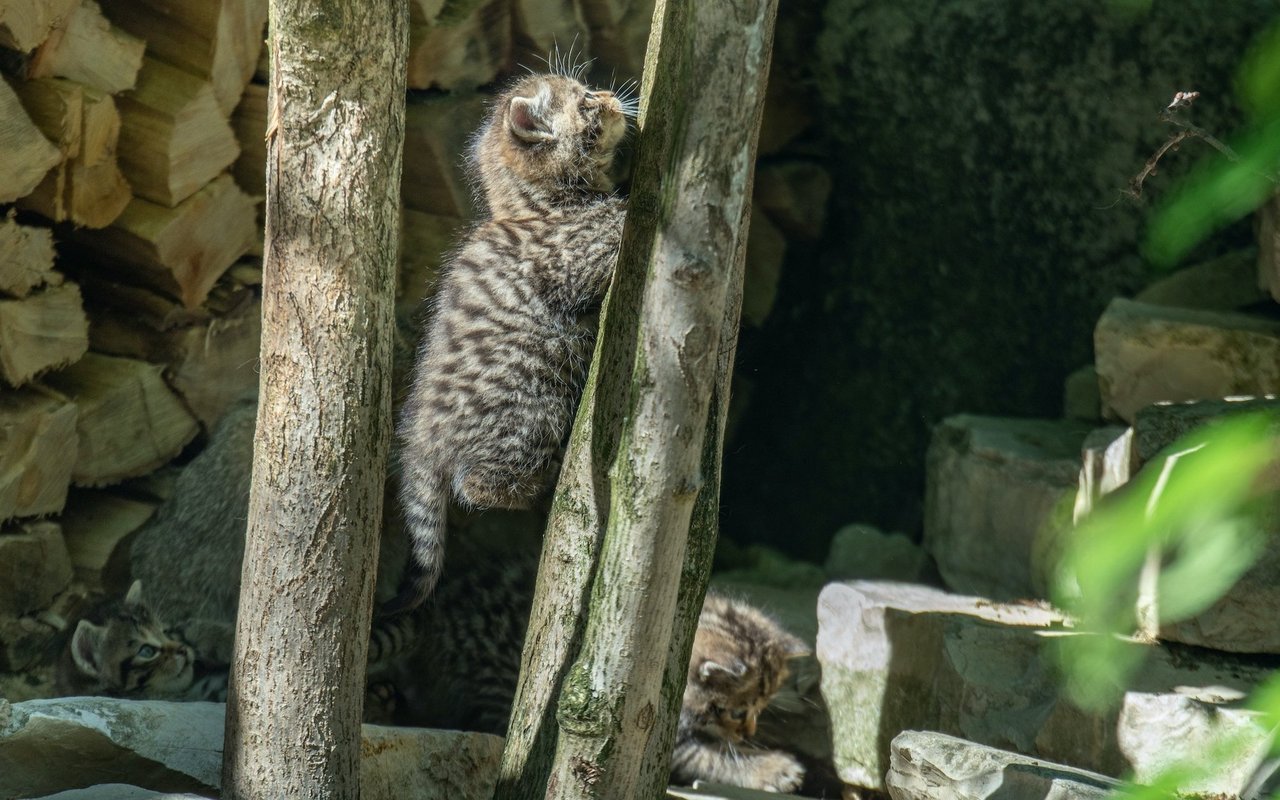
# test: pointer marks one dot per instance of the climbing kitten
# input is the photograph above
(503, 358)
(738, 663)
(126, 653)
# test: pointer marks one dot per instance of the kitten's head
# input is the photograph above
(739, 662)
(548, 140)
(129, 653)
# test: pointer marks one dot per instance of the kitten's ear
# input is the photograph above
(713, 670)
(133, 597)
(526, 118)
(84, 647)
(795, 647)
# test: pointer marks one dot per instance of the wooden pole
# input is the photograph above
(335, 135)
(638, 460)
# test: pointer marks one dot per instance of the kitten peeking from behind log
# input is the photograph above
(502, 362)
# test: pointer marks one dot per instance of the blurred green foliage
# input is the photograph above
(1194, 507)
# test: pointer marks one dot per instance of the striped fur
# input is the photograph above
(463, 670)
(504, 355)
(739, 662)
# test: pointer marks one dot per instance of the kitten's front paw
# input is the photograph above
(779, 772)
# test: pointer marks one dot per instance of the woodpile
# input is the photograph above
(132, 178)
(129, 311)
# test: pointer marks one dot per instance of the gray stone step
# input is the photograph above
(51, 746)
(900, 657)
(1146, 354)
(992, 486)
(934, 766)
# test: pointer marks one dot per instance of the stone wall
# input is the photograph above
(978, 149)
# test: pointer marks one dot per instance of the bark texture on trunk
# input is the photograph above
(335, 138)
(607, 651)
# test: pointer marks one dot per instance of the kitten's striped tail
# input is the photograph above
(424, 500)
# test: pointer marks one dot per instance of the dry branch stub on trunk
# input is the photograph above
(130, 421)
(174, 137)
(88, 49)
(179, 251)
(218, 40)
(38, 445)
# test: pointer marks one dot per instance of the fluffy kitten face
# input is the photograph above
(739, 662)
(549, 138)
(130, 653)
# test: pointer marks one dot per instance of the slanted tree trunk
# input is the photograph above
(335, 136)
(646, 446)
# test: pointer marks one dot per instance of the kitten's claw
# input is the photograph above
(781, 772)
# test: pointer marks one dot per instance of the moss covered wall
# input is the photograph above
(975, 233)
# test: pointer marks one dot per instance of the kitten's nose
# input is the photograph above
(607, 100)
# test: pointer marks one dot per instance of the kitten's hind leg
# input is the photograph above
(501, 487)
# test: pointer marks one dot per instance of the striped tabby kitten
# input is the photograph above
(126, 653)
(503, 358)
(739, 662)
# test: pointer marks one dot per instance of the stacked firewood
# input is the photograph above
(132, 160)
(129, 314)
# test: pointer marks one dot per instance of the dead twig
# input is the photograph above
(1173, 115)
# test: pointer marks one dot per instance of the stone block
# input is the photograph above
(1146, 354)
(793, 194)
(1244, 619)
(871, 686)
(926, 766)
(34, 567)
(992, 487)
(1080, 396)
(861, 552)
(1226, 283)
(897, 657)
(119, 791)
(58, 745)
(1160, 425)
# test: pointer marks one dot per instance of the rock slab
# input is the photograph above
(901, 657)
(992, 487)
(1146, 354)
(932, 766)
(51, 746)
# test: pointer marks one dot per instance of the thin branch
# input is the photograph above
(1172, 115)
